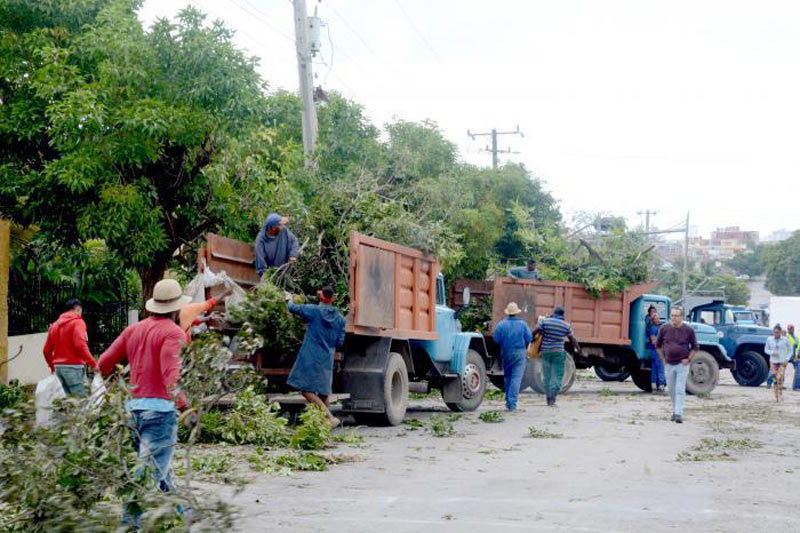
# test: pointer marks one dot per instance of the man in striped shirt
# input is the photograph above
(554, 331)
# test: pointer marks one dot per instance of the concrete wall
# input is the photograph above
(29, 367)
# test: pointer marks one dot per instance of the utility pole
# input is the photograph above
(685, 262)
(646, 214)
(494, 150)
(306, 78)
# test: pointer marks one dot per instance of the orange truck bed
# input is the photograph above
(603, 320)
(392, 287)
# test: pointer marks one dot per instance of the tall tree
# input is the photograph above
(782, 262)
(109, 131)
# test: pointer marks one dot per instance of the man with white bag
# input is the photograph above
(66, 350)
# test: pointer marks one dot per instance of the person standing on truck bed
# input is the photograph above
(312, 373)
(276, 245)
(513, 335)
(676, 345)
(530, 271)
(779, 351)
(555, 330)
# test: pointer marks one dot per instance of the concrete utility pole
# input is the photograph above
(306, 78)
(494, 150)
(646, 214)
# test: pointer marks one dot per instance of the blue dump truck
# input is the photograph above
(401, 335)
(610, 330)
(742, 338)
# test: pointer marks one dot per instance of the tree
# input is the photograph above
(782, 262)
(749, 262)
(113, 133)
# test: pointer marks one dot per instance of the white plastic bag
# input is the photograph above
(203, 280)
(98, 390)
(236, 298)
(48, 391)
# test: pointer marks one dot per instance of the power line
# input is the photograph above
(258, 16)
(494, 150)
(352, 30)
(418, 32)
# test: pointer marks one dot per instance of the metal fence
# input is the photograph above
(35, 303)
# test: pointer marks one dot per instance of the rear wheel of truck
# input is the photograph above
(611, 374)
(395, 395)
(703, 373)
(641, 377)
(473, 384)
(537, 382)
(751, 369)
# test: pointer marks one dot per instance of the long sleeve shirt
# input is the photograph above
(152, 348)
(778, 350)
(275, 251)
(67, 342)
(512, 334)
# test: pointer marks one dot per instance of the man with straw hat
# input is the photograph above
(513, 336)
(152, 349)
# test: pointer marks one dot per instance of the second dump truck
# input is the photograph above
(610, 330)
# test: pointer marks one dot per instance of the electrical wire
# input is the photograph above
(418, 32)
(352, 30)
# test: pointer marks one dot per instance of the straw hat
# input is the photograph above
(167, 297)
(513, 309)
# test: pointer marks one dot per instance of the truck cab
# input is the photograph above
(743, 340)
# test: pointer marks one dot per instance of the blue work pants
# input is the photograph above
(513, 370)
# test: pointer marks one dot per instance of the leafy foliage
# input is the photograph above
(782, 262)
(314, 432)
(11, 395)
(254, 421)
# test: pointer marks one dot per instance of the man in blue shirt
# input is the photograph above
(554, 331)
(513, 336)
(531, 271)
(276, 245)
(657, 373)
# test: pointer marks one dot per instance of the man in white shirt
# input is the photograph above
(779, 350)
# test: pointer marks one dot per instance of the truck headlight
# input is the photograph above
(720, 334)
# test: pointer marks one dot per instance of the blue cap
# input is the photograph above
(273, 220)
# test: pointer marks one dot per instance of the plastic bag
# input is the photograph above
(237, 297)
(98, 390)
(48, 391)
(203, 280)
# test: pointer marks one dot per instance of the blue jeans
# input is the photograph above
(73, 379)
(154, 436)
(657, 375)
(513, 370)
(676, 381)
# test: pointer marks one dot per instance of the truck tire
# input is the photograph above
(751, 369)
(609, 374)
(703, 373)
(473, 384)
(527, 377)
(537, 383)
(641, 377)
(395, 391)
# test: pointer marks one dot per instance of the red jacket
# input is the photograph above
(152, 348)
(67, 342)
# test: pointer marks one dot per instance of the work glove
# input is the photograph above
(287, 296)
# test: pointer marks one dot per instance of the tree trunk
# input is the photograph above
(151, 276)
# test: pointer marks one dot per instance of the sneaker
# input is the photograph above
(672, 419)
(679, 419)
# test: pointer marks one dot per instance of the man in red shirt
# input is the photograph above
(152, 349)
(66, 350)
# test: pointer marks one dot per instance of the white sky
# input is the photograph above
(670, 105)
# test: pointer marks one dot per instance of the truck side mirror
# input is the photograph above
(465, 297)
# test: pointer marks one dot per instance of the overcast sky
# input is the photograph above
(673, 105)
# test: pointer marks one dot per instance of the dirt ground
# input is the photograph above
(606, 459)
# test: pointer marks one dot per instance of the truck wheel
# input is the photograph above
(641, 377)
(537, 383)
(473, 384)
(527, 377)
(611, 374)
(498, 381)
(395, 390)
(703, 373)
(751, 369)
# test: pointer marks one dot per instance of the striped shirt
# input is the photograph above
(554, 331)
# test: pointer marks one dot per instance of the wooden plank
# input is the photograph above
(297, 399)
(394, 333)
(276, 371)
(5, 267)
(375, 288)
(415, 303)
(392, 247)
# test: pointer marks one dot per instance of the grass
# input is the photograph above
(413, 424)
(349, 437)
(605, 392)
(441, 426)
(491, 416)
(494, 394)
(717, 449)
(286, 463)
(536, 433)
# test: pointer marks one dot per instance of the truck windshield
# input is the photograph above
(440, 291)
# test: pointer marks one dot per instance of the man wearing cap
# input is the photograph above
(276, 245)
(152, 349)
(312, 373)
(530, 271)
(555, 330)
(513, 336)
